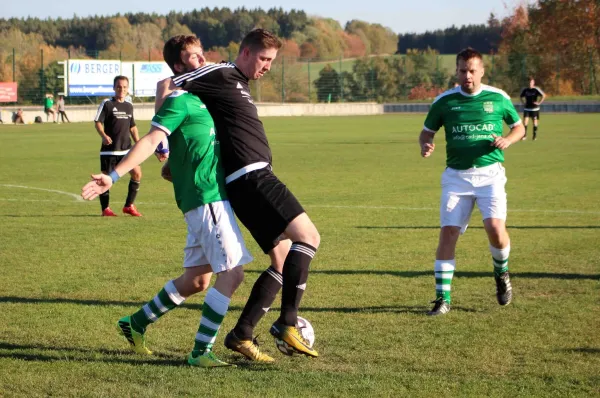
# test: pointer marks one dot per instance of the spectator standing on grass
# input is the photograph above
(49, 107)
(60, 108)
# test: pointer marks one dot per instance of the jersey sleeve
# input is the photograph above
(511, 116)
(540, 92)
(171, 114)
(434, 121)
(132, 120)
(522, 93)
(101, 114)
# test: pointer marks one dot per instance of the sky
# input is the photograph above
(399, 15)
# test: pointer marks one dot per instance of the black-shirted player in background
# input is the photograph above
(115, 123)
(531, 106)
(263, 204)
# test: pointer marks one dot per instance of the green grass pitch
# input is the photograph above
(67, 274)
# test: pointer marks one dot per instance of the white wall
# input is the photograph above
(86, 113)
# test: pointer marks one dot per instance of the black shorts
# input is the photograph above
(48, 110)
(532, 114)
(264, 205)
(108, 162)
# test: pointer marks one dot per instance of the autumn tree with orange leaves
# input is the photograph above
(555, 41)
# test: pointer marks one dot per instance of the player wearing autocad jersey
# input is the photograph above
(114, 122)
(532, 97)
(214, 241)
(260, 200)
(472, 116)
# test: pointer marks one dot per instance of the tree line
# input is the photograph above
(557, 41)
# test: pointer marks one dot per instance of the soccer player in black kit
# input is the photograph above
(115, 124)
(260, 200)
(531, 106)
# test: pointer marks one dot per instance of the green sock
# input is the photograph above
(213, 311)
(167, 299)
(500, 259)
(444, 271)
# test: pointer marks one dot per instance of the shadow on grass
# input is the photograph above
(73, 354)
(480, 227)
(12, 351)
(398, 309)
(584, 350)
(457, 274)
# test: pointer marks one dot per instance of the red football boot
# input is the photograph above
(132, 210)
(108, 213)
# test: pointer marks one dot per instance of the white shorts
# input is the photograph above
(462, 189)
(214, 238)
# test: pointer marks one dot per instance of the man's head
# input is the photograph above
(257, 51)
(121, 87)
(183, 53)
(469, 70)
(531, 82)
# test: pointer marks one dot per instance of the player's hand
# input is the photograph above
(106, 140)
(165, 172)
(100, 183)
(161, 156)
(536, 103)
(427, 149)
(500, 142)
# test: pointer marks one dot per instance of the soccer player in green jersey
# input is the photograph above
(472, 115)
(214, 241)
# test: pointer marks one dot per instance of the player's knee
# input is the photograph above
(200, 284)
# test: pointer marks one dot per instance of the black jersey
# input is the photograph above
(118, 120)
(531, 95)
(223, 88)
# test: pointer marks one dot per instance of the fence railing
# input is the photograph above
(393, 78)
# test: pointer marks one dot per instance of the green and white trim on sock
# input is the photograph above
(444, 271)
(167, 299)
(500, 259)
(213, 311)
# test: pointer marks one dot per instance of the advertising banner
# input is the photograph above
(92, 77)
(143, 76)
(8, 92)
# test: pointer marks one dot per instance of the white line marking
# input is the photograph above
(76, 197)
(80, 199)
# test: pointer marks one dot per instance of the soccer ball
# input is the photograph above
(307, 332)
(163, 147)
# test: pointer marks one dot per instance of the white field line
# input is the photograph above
(78, 198)
(74, 196)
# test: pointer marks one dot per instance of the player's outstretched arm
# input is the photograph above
(141, 151)
(164, 88)
(100, 183)
(426, 143)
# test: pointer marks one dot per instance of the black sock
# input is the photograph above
(525, 129)
(535, 129)
(134, 187)
(295, 275)
(104, 198)
(262, 296)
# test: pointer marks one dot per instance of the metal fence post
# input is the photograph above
(309, 80)
(557, 74)
(282, 80)
(42, 77)
(14, 66)
(341, 79)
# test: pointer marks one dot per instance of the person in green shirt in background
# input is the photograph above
(472, 115)
(49, 107)
(214, 240)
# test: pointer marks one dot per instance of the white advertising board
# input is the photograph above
(91, 77)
